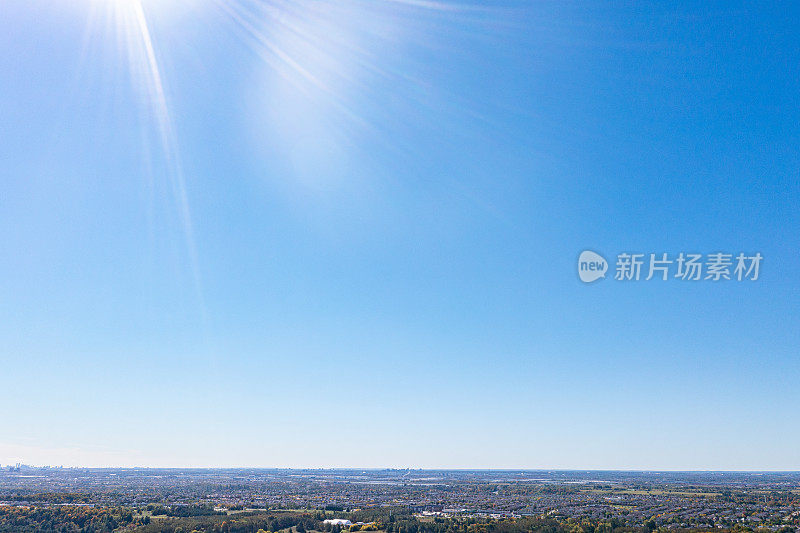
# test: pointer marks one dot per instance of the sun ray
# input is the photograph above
(133, 37)
(326, 56)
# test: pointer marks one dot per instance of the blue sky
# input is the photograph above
(347, 235)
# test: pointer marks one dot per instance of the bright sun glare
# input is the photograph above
(325, 50)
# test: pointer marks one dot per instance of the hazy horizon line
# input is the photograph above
(430, 469)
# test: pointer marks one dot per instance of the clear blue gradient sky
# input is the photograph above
(347, 235)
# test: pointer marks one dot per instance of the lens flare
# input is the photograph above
(127, 23)
(330, 56)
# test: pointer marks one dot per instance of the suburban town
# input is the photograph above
(352, 500)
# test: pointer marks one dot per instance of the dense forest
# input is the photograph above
(200, 518)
